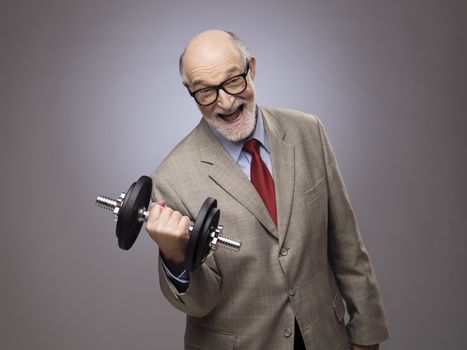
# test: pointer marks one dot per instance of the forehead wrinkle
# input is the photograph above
(216, 73)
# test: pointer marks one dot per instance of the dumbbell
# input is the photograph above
(129, 211)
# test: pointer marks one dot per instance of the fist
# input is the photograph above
(169, 229)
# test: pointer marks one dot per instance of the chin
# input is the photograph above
(241, 129)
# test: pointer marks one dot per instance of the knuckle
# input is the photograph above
(159, 227)
(185, 222)
(154, 212)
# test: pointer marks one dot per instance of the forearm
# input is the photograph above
(350, 261)
(202, 293)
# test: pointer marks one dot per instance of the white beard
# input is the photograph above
(242, 128)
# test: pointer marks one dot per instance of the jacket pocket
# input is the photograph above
(339, 307)
(316, 191)
(201, 338)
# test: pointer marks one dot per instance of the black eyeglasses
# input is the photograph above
(233, 86)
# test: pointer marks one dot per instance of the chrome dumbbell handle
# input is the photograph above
(111, 204)
(218, 239)
(225, 242)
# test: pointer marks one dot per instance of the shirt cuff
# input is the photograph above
(181, 281)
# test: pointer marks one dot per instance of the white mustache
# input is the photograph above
(235, 106)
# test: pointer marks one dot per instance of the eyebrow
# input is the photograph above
(204, 84)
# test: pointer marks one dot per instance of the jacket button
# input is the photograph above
(292, 291)
(284, 251)
(287, 332)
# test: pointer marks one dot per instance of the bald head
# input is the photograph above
(209, 47)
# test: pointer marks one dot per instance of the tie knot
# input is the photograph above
(251, 146)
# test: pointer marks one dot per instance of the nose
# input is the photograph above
(224, 100)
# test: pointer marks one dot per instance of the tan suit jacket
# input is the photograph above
(302, 269)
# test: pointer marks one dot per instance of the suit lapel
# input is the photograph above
(226, 174)
(283, 165)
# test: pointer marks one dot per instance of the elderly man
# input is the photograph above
(277, 183)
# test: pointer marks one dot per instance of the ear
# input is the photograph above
(253, 67)
(185, 84)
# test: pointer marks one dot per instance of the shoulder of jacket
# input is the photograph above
(185, 152)
(279, 113)
(291, 119)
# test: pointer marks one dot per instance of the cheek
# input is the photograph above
(249, 94)
(206, 111)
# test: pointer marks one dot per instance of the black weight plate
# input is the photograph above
(128, 226)
(202, 248)
(208, 204)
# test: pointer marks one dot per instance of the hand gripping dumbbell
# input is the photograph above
(130, 212)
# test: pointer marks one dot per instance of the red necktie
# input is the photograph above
(261, 178)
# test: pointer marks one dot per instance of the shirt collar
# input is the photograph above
(235, 148)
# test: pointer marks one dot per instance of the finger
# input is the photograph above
(165, 214)
(174, 219)
(161, 203)
(184, 224)
(154, 212)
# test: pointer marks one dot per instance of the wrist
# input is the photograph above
(176, 264)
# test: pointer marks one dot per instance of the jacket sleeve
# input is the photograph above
(349, 260)
(202, 293)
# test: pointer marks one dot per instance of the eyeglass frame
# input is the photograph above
(221, 86)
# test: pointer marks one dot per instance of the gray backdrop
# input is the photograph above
(90, 98)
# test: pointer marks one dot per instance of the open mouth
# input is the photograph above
(232, 117)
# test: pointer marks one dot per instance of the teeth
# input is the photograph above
(230, 114)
